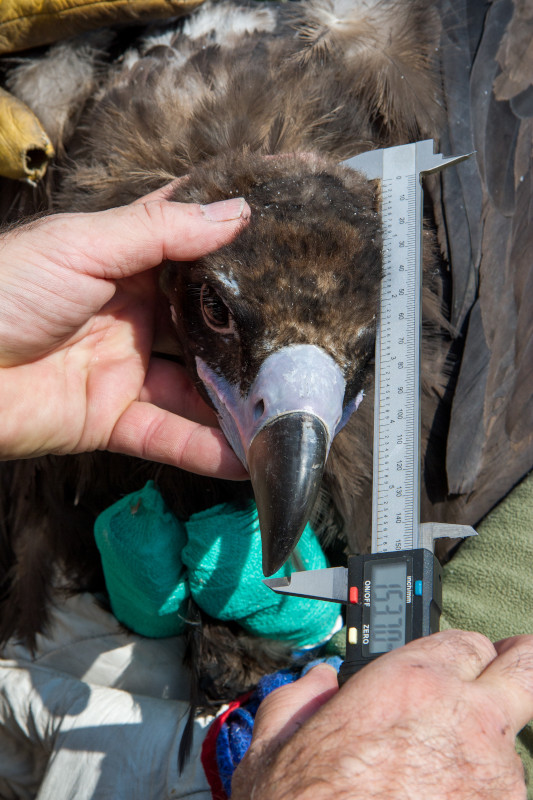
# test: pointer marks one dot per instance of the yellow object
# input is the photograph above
(25, 148)
(30, 23)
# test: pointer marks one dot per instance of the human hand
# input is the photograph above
(78, 309)
(435, 719)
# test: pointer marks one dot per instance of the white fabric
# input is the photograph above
(96, 714)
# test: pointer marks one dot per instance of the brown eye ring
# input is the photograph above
(215, 312)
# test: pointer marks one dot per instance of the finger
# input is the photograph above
(511, 643)
(511, 676)
(152, 433)
(287, 708)
(463, 654)
(168, 386)
(123, 241)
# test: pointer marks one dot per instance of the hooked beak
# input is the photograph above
(286, 460)
(282, 430)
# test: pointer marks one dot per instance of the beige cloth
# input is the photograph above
(96, 713)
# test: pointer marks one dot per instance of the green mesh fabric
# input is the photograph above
(152, 563)
(140, 543)
(223, 556)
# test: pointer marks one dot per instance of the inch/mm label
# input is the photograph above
(397, 403)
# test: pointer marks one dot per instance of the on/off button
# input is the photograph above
(353, 594)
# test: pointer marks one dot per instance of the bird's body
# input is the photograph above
(260, 101)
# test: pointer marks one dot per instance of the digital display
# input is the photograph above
(387, 606)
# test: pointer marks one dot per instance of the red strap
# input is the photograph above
(209, 749)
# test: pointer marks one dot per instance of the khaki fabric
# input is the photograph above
(488, 584)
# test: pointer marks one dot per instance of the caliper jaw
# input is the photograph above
(331, 584)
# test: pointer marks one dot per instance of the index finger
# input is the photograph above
(461, 654)
(147, 431)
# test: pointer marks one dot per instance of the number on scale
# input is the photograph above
(397, 358)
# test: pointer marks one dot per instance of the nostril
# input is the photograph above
(259, 410)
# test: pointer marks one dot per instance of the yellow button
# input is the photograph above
(352, 635)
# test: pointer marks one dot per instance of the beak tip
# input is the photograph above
(286, 459)
(273, 561)
(278, 541)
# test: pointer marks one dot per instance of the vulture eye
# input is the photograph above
(215, 312)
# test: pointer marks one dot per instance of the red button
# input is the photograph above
(354, 594)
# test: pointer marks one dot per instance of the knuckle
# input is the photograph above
(154, 210)
(470, 644)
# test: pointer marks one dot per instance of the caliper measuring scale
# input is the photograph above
(394, 594)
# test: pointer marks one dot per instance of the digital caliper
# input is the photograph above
(393, 595)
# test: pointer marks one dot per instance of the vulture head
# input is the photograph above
(277, 328)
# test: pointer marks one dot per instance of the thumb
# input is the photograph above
(123, 241)
(287, 708)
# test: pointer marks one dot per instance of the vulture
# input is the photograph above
(265, 101)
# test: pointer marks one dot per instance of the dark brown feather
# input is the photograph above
(485, 222)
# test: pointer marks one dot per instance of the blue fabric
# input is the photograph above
(235, 734)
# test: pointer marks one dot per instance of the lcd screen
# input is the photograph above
(387, 606)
